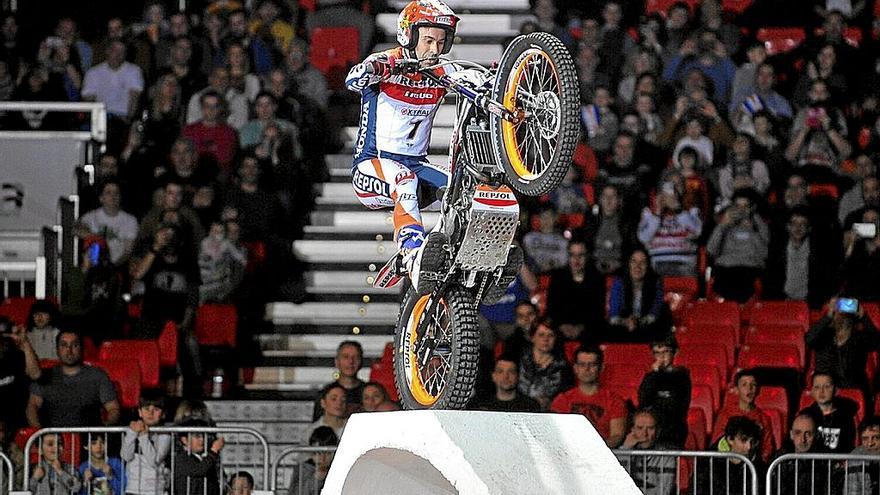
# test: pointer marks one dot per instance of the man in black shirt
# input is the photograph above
(505, 376)
(666, 391)
(835, 416)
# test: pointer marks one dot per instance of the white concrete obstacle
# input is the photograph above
(474, 453)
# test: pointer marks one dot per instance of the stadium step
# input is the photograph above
(296, 378)
(311, 313)
(319, 346)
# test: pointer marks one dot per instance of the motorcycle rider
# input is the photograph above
(390, 166)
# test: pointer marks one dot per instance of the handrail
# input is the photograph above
(38, 266)
(156, 429)
(815, 457)
(687, 453)
(302, 449)
(10, 469)
(97, 111)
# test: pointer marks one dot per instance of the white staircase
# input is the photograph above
(346, 243)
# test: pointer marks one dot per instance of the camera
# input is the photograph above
(865, 230)
(848, 305)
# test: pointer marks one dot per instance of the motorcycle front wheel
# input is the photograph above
(536, 79)
(440, 375)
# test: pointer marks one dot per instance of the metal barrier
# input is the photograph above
(667, 472)
(77, 441)
(814, 474)
(7, 474)
(301, 480)
(21, 273)
(97, 112)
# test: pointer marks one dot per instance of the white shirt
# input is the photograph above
(112, 87)
(236, 102)
(119, 230)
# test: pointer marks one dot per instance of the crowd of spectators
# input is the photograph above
(217, 133)
(701, 146)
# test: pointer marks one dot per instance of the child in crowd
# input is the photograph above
(101, 475)
(145, 452)
(197, 465)
(41, 328)
(50, 476)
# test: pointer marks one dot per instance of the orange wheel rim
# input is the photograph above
(421, 392)
(513, 135)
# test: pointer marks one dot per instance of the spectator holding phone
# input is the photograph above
(739, 247)
(861, 264)
(819, 136)
(842, 351)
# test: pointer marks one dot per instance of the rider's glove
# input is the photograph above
(384, 66)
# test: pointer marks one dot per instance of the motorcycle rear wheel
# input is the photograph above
(448, 377)
(536, 77)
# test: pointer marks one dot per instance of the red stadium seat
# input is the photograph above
(770, 356)
(777, 424)
(256, 255)
(696, 421)
(682, 285)
(678, 291)
(735, 7)
(859, 398)
(569, 349)
(89, 350)
(623, 375)
(707, 374)
(168, 345)
(769, 334)
(705, 353)
(829, 190)
(703, 333)
(872, 309)
(48, 364)
(714, 313)
(216, 324)
(780, 39)
(17, 309)
(146, 352)
(773, 398)
(781, 313)
(701, 398)
(126, 376)
(333, 50)
(638, 355)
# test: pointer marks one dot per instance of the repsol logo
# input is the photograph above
(493, 195)
(362, 133)
(418, 96)
(370, 184)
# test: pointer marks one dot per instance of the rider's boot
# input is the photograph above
(425, 265)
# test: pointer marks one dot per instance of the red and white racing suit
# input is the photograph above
(390, 154)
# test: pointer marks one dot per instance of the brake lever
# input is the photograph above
(405, 66)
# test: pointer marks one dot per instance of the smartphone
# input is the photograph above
(848, 305)
(866, 230)
(94, 253)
